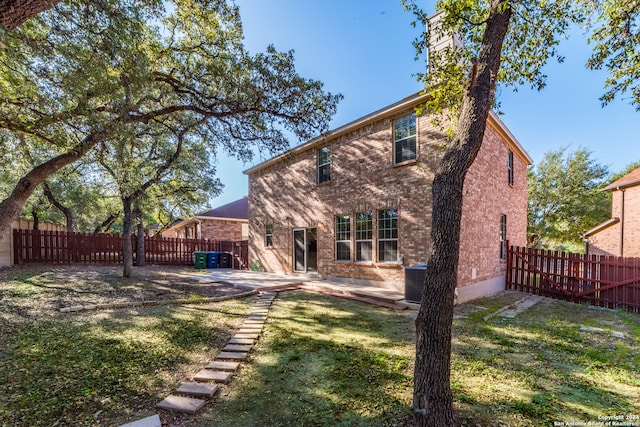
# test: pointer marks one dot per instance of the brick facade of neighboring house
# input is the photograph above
(228, 222)
(371, 216)
(620, 235)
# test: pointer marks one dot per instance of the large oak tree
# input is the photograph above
(508, 42)
(84, 73)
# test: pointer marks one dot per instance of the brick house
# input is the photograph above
(355, 203)
(620, 235)
(228, 222)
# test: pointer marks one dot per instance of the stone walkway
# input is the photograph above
(193, 395)
(512, 310)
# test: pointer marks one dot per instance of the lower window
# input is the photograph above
(388, 235)
(388, 251)
(364, 251)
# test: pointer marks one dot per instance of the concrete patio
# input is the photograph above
(262, 280)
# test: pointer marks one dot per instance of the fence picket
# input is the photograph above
(601, 280)
(36, 246)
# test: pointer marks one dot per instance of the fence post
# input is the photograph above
(507, 282)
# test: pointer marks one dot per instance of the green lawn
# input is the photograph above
(326, 361)
(98, 368)
(322, 361)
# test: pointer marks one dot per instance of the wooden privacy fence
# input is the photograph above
(604, 281)
(61, 247)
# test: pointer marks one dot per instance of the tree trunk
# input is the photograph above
(36, 219)
(140, 261)
(127, 249)
(15, 12)
(11, 207)
(432, 399)
(62, 208)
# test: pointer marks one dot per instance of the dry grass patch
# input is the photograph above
(106, 367)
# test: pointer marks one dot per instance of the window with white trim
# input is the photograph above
(343, 238)
(388, 235)
(404, 139)
(324, 164)
(364, 236)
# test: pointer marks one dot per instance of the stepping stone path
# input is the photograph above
(512, 310)
(190, 396)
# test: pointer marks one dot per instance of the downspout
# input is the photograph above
(621, 221)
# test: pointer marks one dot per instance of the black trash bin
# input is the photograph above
(225, 260)
(414, 282)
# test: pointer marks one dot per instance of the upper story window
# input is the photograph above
(268, 235)
(343, 238)
(324, 164)
(510, 167)
(404, 139)
(388, 235)
(364, 236)
(503, 236)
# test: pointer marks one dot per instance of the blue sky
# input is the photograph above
(363, 50)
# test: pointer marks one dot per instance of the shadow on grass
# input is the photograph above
(324, 361)
(94, 369)
(539, 368)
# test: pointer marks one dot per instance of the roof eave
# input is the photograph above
(506, 134)
(319, 140)
(598, 228)
(613, 187)
(412, 100)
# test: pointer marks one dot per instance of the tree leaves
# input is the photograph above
(88, 74)
(565, 197)
(616, 38)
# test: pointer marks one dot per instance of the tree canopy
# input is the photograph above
(565, 198)
(86, 73)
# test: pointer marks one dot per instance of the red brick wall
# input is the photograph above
(215, 229)
(221, 229)
(363, 177)
(607, 241)
(487, 196)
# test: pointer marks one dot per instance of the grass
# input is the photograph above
(322, 361)
(326, 361)
(539, 368)
(98, 368)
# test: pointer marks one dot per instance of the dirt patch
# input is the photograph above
(43, 290)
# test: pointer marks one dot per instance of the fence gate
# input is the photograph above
(604, 281)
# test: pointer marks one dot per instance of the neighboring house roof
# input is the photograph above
(237, 210)
(629, 180)
(234, 211)
(598, 228)
(413, 100)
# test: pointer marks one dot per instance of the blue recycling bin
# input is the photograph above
(213, 259)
